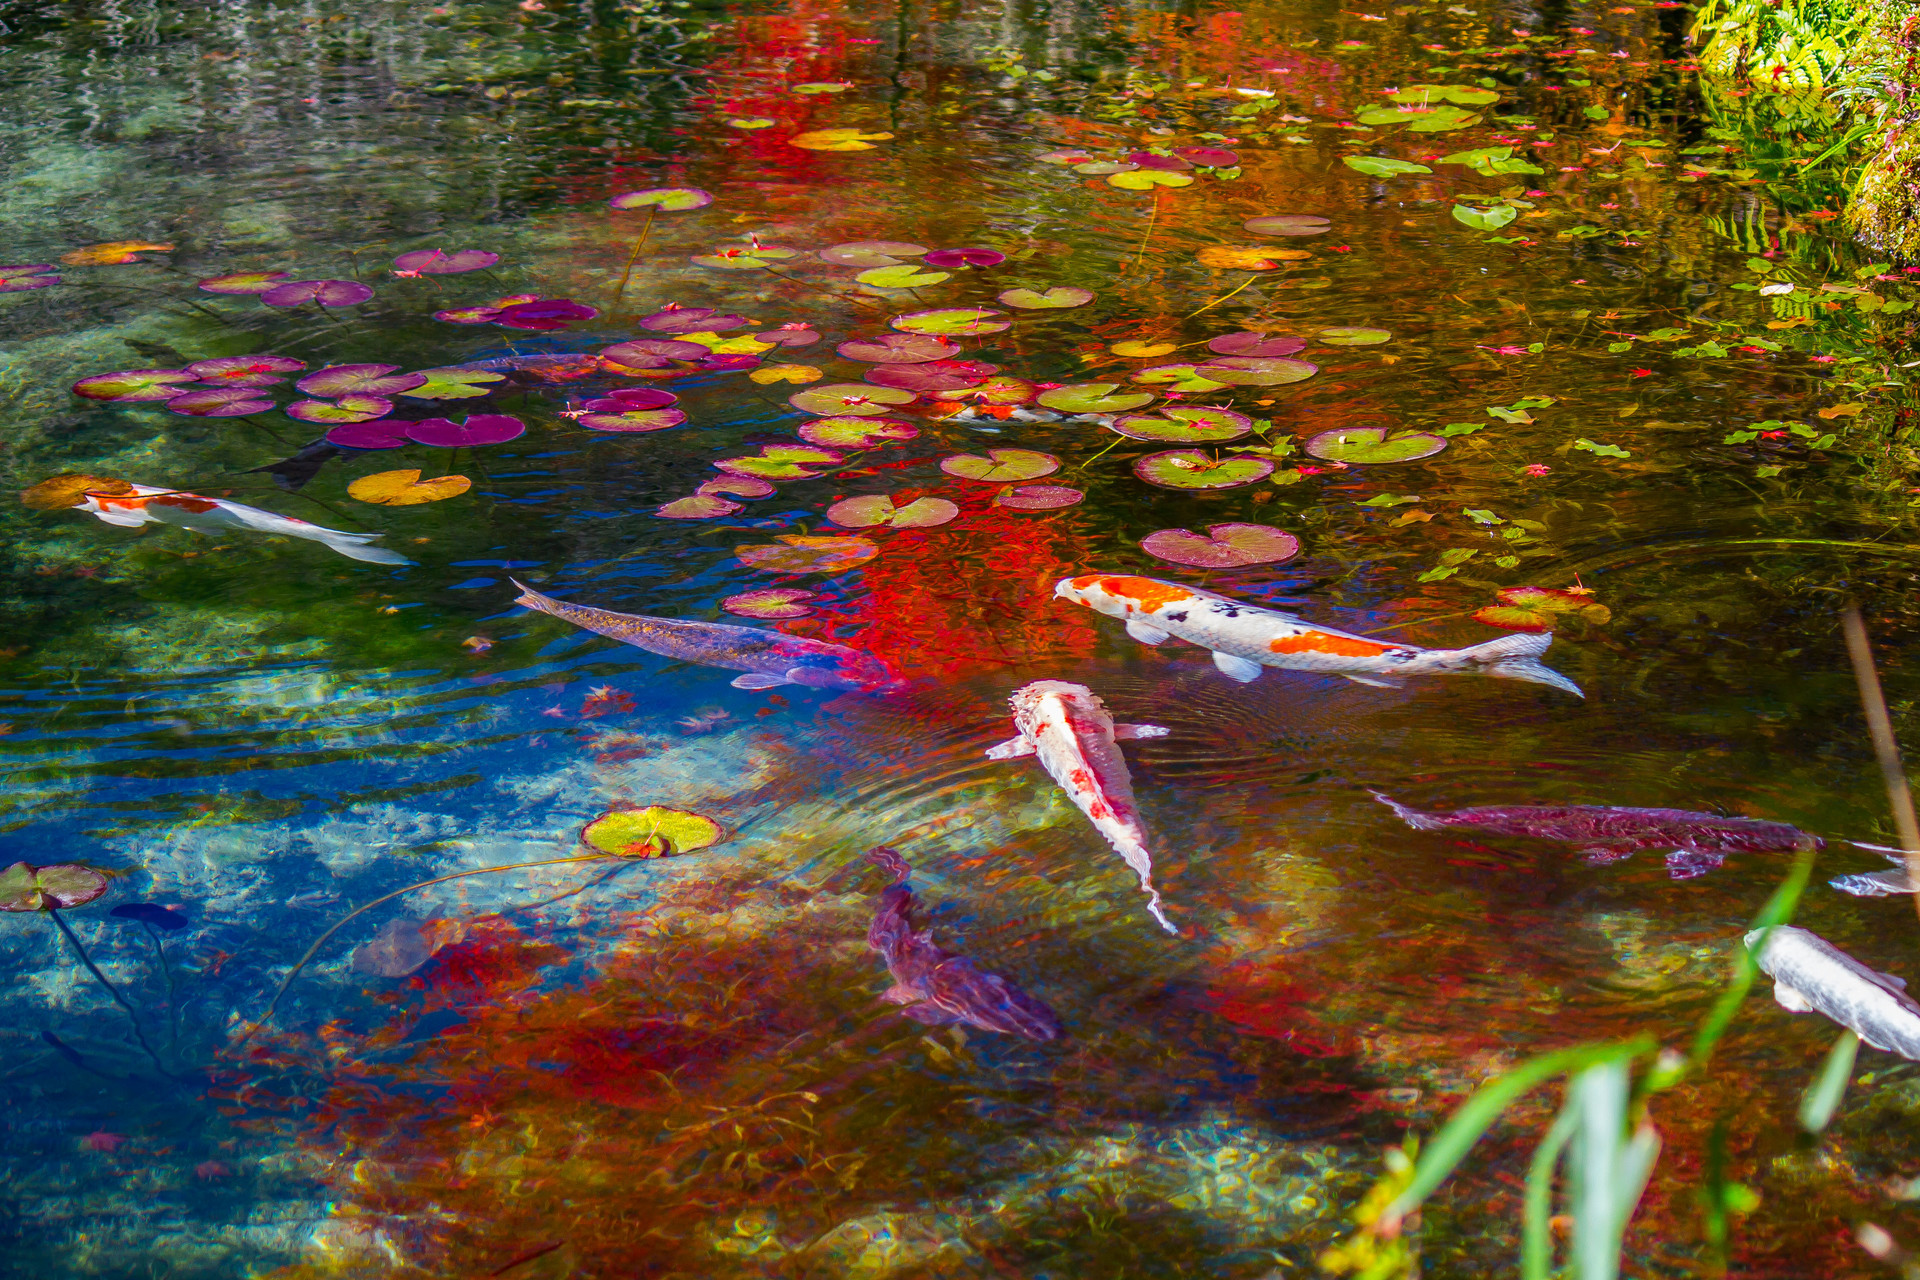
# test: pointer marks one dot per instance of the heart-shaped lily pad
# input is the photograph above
(1183, 377)
(1154, 160)
(1094, 397)
(1104, 168)
(799, 554)
(854, 399)
(653, 832)
(898, 348)
(904, 276)
(665, 199)
(70, 489)
(701, 506)
(454, 384)
(245, 371)
(1224, 546)
(1001, 465)
(1382, 166)
(543, 315)
(1257, 371)
(690, 320)
(952, 320)
(1139, 179)
(871, 253)
(1002, 390)
(1348, 336)
(1535, 608)
(240, 283)
(836, 140)
(353, 408)
(25, 887)
(797, 374)
(406, 488)
(650, 353)
(953, 259)
(790, 335)
(1209, 157)
(1257, 345)
(736, 486)
(1038, 497)
(633, 420)
(1185, 425)
(327, 293)
(1192, 469)
(128, 385)
(1233, 257)
(360, 379)
(872, 509)
(1374, 445)
(772, 602)
(472, 432)
(219, 402)
(1287, 224)
(111, 254)
(781, 462)
(745, 257)
(630, 398)
(931, 378)
(438, 262)
(386, 433)
(856, 433)
(1058, 298)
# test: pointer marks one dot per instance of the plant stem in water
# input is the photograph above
(627, 274)
(112, 990)
(173, 1008)
(1885, 746)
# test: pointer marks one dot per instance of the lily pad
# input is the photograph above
(327, 293)
(1101, 168)
(133, 384)
(799, 554)
(952, 321)
(543, 315)
(869, 510)
(632, 421)
(1345, 336)
(1193, 469)
(22, 276)
(665, 199)
(798, 374)
(823, 86)
(926, 379)
(1094, 397)
(361, 379)
(1382, 166)
(1148, 179)
(1136, 349)
(1002, 391)
(1058, 298)
(454, 384)
(1535, 608)
(1182, 377)
(1038, 497)
(406, 488)
(1072, 155)
(871, 253)
(1287, 224)
(1185, 425)
(1154, 160)
(651, 353)
(633, 398)
(245, 371)
(1489, 219)
(772, 602)
(219, 402)
(70, 489)
(474, 432)
(745, 257)
(438, 262)
(1224, 546)
(386, 433)
(1374, 445)
(1001, 466)
(243, 282)
(114, 253)
(952, 259)
(353, 408)
(836, 140)
(1467, 95)
(1259, 346)
(484, 312)
(1253, 257)
(691, 320)
(898, 348)
(904, 276)
(751, 122)
(781, 462)
(1257, 371)
(25, 887)
(1209, 157)
(790, 335)
(736, 486)
(701, 506)
(856, 433)
(653, 832)
(855, 399)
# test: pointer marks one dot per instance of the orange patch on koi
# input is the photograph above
(1321, 642)
(1145, 592)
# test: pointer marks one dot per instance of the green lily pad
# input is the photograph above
(1148, 179)
(1382, 166)
(665, 199)
(1374, 445)
(1485, 219)
(1185, 425)
(952, 320)
(901, 277)
(1256, 371)
(1058, 298)
(745, 257)
(1466, 95)
(1193, 469)
(1353, 337)
(1182, 377)
(781, 462)
(453, 384)
(871, 253)
(25, 887)
(1093, 397)
(873, 509)
(1001, 466)
(1101, 168)
(653, 832)
(853, 399)
(856, 433)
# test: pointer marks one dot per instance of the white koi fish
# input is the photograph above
(1245, 638)
(1069, 729)
(1811, 975)
(150, 504)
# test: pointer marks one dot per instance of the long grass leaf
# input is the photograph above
(1823, 1096)
(1536, 1240)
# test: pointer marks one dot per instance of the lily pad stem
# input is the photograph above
(1223, 297)
(627, 274)
(112, 990)
(1118, 441)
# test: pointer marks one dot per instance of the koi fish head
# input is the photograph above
(1121, 595)
(1027, 698)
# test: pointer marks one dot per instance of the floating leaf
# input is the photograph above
(701, 506)
(387, 433)
(736, 257)
(1100, 168)
(871, 253)
(837, 140)
(245, 371)
(1463, 94)
(808, 555)
(773, 602)
(1192, 469)
(1353, 337)
(651, 353)
(1225, 546)
(483, 313)
(219, 402)
(133, 384)
(1259, 346)
(751, 122)
(1148, 179)
(406, 488)
(1256, 371)
(1181, 377)
(480, 429)
(1094, 397)
(768, 374)
(737, 486)
(1534, 608)
(1485, 219)
(25, 887)
(1038, 497)
(927, 379)
(1602, 450)
(856, 433)
(1383, 166)
(1185, 425)
(632, 421)
(70, 490)
(781, 462)
(623, 399)
(859, 400)
(1374, 445)
(1058, 298)
(1001, 466)
(453, 384)
(952, 320)
(900, 277)
(950, 259)
(353, 408)
(719, 344)
(1154, 160)
(823, 86)
(691, 320)
(1287, 224)
(327, 293)
(544, 315)
(652, 832)
(114, 253)
(1209, 157)
(1069, 156)
(665, 199)
(898, 348)
(1135, 350)
(243, 282)
(361, 379)
(1002, 390)
(790, 335)
(438, 262)
(869, 510)
(1248, 257)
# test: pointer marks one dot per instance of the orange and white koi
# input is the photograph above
(149, 504)
(1069, 730)
(1245, 638)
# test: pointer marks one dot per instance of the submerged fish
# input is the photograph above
(150, 504)
(1246, 637)
(937, 986)
(768, 657)
(1069, 729)
(1698, 842)
(1810, 974)
(1877, 884)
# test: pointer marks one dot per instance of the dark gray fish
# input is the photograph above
(937, 986)
(1811, 975)
(293, 473)
(768, 657)
(1697, 842)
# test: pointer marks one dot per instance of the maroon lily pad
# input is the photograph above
(701, 506)
(1287, 224)
(633, 398)
(1209, 157)
(790, 335)
(652, 353)
(480, 429)
(774, 602)
(29, 275)
(484, 312)
(243, 282)
(873, 509)
(544, 315)
(1038, 497)
(438, 262)
(219, 402)
(328, 293)
(245, 371)
(133, 384)
(898, 348)
(727, 363)
(871, 253)
(737, 486)
(949, 259)
(856, 433)
(633, 420)
(924, 378)
(1225, 546)
(855, 399)
(690, 320)
(1257, 345)
(359, 379)
(348, 408)
(1193, 469)
(1168, 164)
(387, 433)
(1001, 466)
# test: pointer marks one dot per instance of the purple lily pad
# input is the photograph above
(438, 262)
(924, 378)
(1193, 469)
(484, 312)
(480, 429)
(948, 259)
(774, 602)
(245, 371)
(1287, 224)
(387, 433)
(359, 379)
(1225, 546)
(1257, 345)
(328, 293)
(856, 433)
(871, 253)
(790, 335)
(727, 363)
(898, 348)
(701, 506)
(219, 402)
(546, 314)
(1038, 497)
(240, 283)
(633, 420)
(1166, 164)
(690, 320)
(633, 398)
(665, 199)
(23, 276)
(133, 384)
(737, 486)
(348, 408)
(652, 353)
(1209, 157)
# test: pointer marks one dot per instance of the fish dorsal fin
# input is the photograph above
(1011, 749)
(1241, 669)
(1146, 632)
(758, 680)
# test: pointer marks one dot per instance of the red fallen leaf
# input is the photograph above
(1641, 373)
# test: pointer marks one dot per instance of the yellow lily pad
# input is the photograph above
(653, 832)
(406, 488)
(837, 140)
(771, 373)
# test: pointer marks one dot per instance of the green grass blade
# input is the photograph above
(1536, 1240)
(1823, 1096)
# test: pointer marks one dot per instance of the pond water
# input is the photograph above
(1647, 372)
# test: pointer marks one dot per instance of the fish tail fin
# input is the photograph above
(1514, 657)
(356, 546)
(1412, 817)
(1156, 911)
(530, 598)
(888, 859)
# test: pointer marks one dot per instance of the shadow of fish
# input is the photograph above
(1697, 842)
(768, 657)
(1811, 975)
(404, 946)
(937, 986)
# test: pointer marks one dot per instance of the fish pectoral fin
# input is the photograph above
(1873, 884)
(1789, 999)
(758, 680)
(1146, 632)
(1233, 668)
(1129, 732)
(1375, 681)
(900, 994)
(1012, 748)
(1601, 855)
(1685, 864)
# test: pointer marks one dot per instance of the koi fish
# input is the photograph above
(938, 987)
(1069, 729)
(1700, 842)
(1245, 637)
(149, 504)
(1811, 975)
(1876, 884)
(769, 658)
